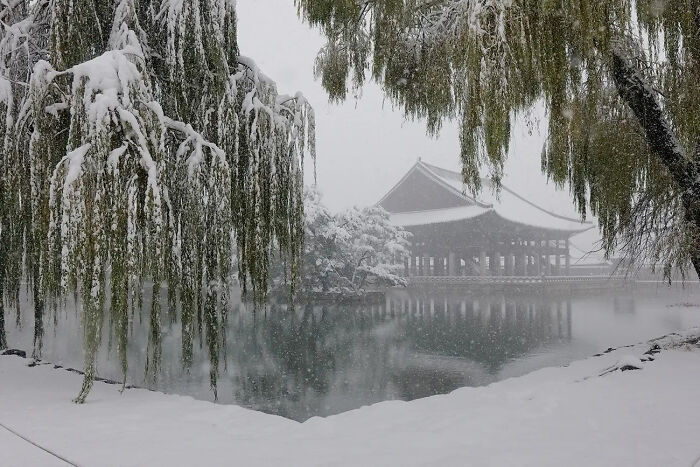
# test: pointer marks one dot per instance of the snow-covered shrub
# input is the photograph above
(352, 251)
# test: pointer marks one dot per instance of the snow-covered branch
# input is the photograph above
(115, 169)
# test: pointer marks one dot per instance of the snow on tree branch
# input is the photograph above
(119, 171)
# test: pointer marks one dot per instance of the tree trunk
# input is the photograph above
(692, 215)
(636, 92)
(38, 330)
(3, 265)
(38, 323)
(3, 336)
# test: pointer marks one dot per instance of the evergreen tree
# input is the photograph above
(139, 147)
(618, 78)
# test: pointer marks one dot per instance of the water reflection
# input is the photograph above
(323, 359)
(489, 331)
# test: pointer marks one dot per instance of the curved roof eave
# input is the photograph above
(584, 226)
(438, 216)
(460, 214)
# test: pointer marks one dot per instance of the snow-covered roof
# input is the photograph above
(437, 216)
(507, 205)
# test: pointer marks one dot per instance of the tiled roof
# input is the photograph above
(508, 205)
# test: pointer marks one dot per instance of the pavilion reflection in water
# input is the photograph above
(323, 359)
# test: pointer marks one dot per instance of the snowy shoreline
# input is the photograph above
(582, 414)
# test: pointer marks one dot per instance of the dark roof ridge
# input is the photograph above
(419, 165)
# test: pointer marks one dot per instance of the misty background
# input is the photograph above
(365, 145)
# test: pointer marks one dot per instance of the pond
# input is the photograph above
(324, 359)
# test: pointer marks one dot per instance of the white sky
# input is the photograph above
(365, 146)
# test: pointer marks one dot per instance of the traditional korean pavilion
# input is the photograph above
(455, 234)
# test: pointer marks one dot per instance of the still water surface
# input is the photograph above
(325, 359)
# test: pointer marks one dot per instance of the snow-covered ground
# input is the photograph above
(552, 417)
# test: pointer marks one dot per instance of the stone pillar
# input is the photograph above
(508, 263)
(495, 263)
(527, 265)
(451, 266)
(526, 262)
(482, 262)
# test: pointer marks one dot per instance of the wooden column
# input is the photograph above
(557, 258)
(538, 258)
(567, 258)
(451, 266)
(482, 262)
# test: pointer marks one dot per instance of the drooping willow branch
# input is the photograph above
(122, 178)
(612, 131)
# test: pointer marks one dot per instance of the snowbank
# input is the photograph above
(557, 416)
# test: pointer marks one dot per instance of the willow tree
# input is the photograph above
(140, 148)
(618, 79)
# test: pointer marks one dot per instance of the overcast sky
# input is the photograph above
(365, 146)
